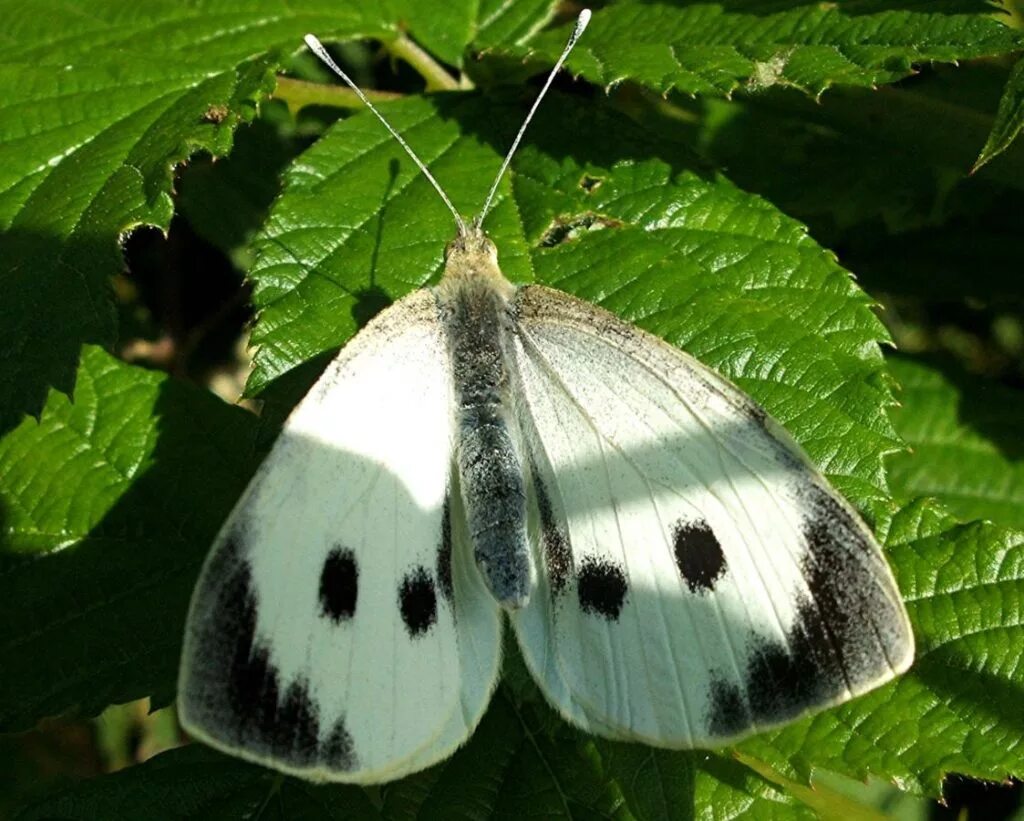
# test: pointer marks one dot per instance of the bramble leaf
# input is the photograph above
(718, 47)
(964, 435)
(1009, 117)
(109, 505)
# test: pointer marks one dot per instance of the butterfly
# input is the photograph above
(674, 568)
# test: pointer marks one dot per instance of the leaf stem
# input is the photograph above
(426, 66)
(299, 93)
(827, 803)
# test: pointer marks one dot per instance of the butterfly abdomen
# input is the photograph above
(486, 441)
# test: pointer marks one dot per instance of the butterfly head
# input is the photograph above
(471, 256)
(472, 244)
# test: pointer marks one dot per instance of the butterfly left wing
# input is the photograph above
(700, 579)
(339, 630)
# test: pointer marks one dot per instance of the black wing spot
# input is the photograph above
(417, 600)
(339, 585)
(557, 555)
(698, 554)
(444, 551)
(602, 588)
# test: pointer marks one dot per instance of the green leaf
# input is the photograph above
(513, 23)
(900, 156)
(109, 505)
(682, 253)
(100, 109)
(196, 782)
(958, 708)
(1009, 117)
(663, 784)
(521, 762)
(964, 435)
(715, 48)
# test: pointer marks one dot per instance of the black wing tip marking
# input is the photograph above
(444, 551)
(849, 634)
(339, 585)
(781, 681)
(729, 715)
(236, 695)
(602, 588)
(698, 554)
(417, 601)
(852, 590)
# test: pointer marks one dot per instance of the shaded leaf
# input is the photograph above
(900, 156)
(1009, 117)
(196, 782)
(665, 784)
(109, 506)
(965, 440)
(521, 762)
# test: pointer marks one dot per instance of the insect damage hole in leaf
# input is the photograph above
(566, 229)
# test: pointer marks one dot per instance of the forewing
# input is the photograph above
(337, 631)
(701, 579)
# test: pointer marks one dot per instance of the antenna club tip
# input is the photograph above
(583, 19)
(311, 41)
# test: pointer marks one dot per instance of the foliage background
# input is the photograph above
(179, 182)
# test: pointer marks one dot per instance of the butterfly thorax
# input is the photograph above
(474, 300)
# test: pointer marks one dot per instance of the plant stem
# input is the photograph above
(426, 66)
(300, 93)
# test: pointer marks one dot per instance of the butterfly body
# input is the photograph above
(474, 301)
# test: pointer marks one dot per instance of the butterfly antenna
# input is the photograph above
(318, 49)
(581, 25)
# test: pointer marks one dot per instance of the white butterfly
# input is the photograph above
(675, 569)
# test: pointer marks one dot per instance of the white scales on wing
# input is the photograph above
(676, 571)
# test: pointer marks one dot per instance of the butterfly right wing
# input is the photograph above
(339, 630)
(700, 580)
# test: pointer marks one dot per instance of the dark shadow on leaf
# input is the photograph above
(992, 410)
(849, 8)
(567, 126)
(57, 296)
(100, 621)
(957, 680)
(373, 299)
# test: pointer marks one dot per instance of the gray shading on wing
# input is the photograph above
(701, 579)
(338, 630)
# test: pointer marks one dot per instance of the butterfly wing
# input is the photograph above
(336, 631)
(701, 579)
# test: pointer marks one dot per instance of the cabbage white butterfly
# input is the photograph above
(674, 568)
